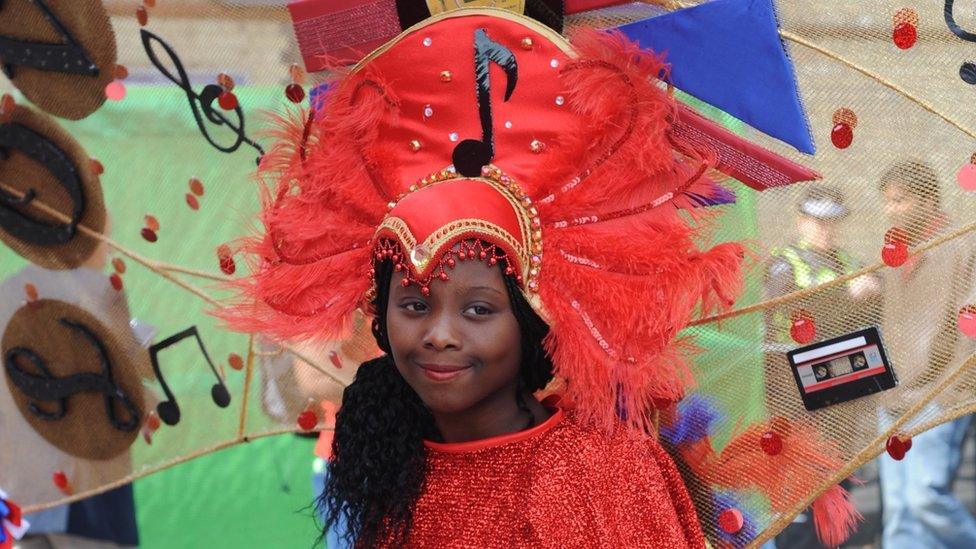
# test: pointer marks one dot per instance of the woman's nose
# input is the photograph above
(441, 334)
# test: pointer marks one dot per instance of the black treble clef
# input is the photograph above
(205, 98)
(471, 155)
(967, 71)
(169, 409)
(46, 387)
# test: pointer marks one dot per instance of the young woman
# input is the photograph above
(505, 206)
(442, 443)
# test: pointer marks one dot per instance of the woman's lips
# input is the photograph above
(442, 372)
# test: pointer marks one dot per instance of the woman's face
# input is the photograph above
(458, 348)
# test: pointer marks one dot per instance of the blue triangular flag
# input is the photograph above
(729, 54)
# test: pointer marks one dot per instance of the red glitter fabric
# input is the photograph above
(559, 484)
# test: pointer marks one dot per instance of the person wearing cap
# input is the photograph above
(814, 259)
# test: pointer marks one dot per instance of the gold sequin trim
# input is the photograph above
(530, 225)
(446, 234)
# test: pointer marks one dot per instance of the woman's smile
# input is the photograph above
(443, 372)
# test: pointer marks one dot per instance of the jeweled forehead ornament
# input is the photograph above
(447, 217)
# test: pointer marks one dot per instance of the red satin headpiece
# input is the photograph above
(480, 126)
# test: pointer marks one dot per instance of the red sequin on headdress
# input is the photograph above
(561, 157)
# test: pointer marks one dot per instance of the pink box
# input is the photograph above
(576, 6)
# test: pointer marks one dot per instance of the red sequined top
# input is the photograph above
(558, 484)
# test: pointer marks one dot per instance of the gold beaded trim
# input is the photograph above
(398, 227)
(445, 234)
(530, 224)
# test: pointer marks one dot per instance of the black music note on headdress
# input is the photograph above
(67, 57)
(169, 409)
(471, 155)
(46, 387)
(45, 153)
(967, 71)
(205, 98)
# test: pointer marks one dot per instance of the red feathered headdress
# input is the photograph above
(483, 126)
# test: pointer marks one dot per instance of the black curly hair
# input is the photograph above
(378, 464)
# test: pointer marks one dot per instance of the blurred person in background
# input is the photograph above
(814, 259)
(920, 509)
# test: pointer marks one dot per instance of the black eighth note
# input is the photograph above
(471, 155)
(169, 409)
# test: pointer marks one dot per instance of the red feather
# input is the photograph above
(805, 462)
(835, 516)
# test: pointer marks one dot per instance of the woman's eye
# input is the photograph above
(478, 310)
(415, 306)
